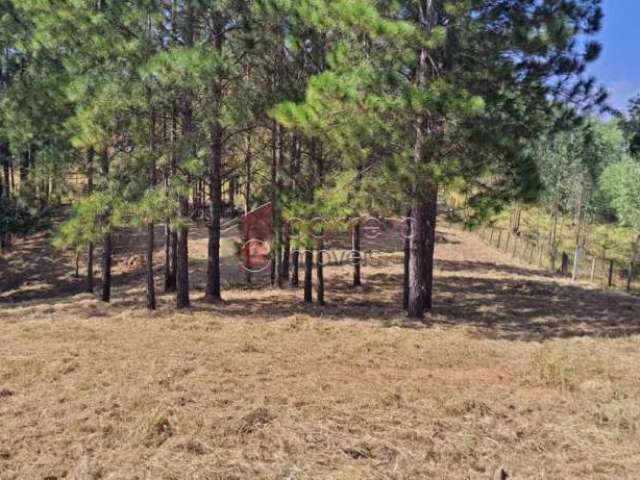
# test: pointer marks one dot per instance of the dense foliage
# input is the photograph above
(325, 108)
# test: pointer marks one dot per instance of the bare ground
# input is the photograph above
(516, 374)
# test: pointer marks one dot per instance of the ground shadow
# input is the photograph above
(497, 300)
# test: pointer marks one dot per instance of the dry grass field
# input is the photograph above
(516, 375)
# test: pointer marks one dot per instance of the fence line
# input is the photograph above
(601, 271)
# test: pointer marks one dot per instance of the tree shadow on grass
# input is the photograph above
(524, 309)
(534, 310)
(496, 300)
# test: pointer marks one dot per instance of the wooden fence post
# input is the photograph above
(630, 276)
(593, 268)
(491, 236)
(506, 245)
(499, 238)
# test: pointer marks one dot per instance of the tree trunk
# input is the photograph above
(294, 169)
(106, 241)
(407, 257)
(276, 263)
(286, 255)
(424, 201)
(308, 276)
(247, 185)
(182, 249)
(171, 259)
(213, 294)
(171, 235)
(182, 267)
(90, 156)
(422, 247)
(247, 174)
(151, 286)
(356, 254)
(320, 273)
(295, 268)
(516, 215)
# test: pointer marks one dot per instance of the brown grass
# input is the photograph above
(516, 375)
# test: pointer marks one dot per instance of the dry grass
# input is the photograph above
(516, 375)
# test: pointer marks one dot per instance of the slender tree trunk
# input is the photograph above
(276, 264)
(182, 264)
(417, 260)
(213, 294)
(516, 215)
(286, 255)
(553, 239)
(294, 168)
(407, 257)
(247, 174)
(295, 268)
(171, 235)
(89, 285)
(579, 243)
(151, 286)
(171, 259)
(432, 218)
(308, 276)
(247, 186)
(182, 249)
(423, 208)
(320, 273)
(356, 254)
(106, 241)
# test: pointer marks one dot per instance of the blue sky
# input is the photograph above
(618, 68)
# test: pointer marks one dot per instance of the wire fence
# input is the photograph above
(580, 265)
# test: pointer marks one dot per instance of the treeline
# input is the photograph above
(325, 108)
(588, 186)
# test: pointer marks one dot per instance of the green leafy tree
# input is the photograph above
(462, 85)
(621, 183)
